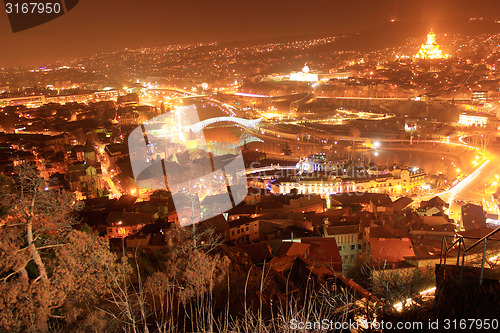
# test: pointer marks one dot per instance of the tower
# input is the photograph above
(431, 38)
(89, 153)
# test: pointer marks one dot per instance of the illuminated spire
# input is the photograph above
(431, 38)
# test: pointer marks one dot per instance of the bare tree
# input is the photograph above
(44, 264)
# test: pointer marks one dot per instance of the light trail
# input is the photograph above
(399, 306)
(250, 95)
(112, 186)
(465, 182)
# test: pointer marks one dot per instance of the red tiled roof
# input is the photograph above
(290, 249)
(434, 202)
(324, 251)
(391, 250)
(473, 217)
(258, 252)
(332, 215)
(387, 232)
(402, 202)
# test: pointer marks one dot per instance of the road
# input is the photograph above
(106, 174)
(475, 188)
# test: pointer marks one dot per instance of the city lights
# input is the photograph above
(168, 153)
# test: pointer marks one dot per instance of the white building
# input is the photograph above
(397, 182)
(304, 75)
(471, 119)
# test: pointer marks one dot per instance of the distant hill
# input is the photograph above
(392, 34)
(389, 34)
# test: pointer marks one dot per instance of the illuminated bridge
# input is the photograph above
(247, 138)
(272, 167)
(248, 123)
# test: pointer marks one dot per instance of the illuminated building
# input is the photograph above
(314, 163)
(410, 125)
(472, 119)
(479, 97)
(304, 75)
(28, 101)
(396, 182)
(431, 50)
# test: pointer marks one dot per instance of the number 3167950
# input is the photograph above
(32, 8)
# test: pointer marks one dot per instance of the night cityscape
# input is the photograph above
(279, 166)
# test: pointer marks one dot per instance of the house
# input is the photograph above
(401, 203)
(390, 251)
(274, 229)
(253, 196)
(435, 220)
(242, 210)
(291, 249)
(128, 117)
(10, 158)
(319, 251)
(473, 217)
(331, 216)
(123, 224)
(115, 151)
(311, 203)
(427, 247)
(366, 219)
(244, 230)
(432, 231)
(292, 203)
(387, 231)
(435, 202)
(258, 252)
(429, 211)
(372, 202)
(348, 242)
(77, 153)
(247, 230)
(88, 179)
(324, 251)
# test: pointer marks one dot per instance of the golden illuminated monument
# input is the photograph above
(430, 50)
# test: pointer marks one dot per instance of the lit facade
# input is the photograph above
(304, 75)
(479, 97)
(397, 182)
(28, 101)
(431, 50)
(472, 120)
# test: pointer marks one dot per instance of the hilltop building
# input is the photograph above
(431, 50)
